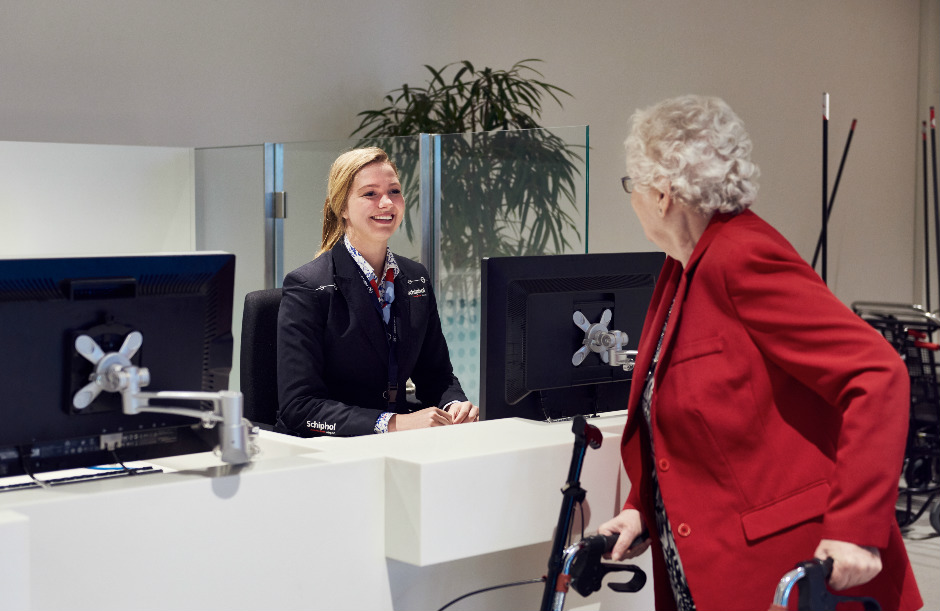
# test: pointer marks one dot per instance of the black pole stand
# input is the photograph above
(825, 185)
(936, 205)
(923, 133)
(832, 196)
(585, 435)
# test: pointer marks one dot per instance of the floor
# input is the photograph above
(923, 547)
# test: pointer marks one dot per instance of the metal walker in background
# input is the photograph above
(909, 329)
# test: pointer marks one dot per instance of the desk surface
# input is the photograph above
(407, 520)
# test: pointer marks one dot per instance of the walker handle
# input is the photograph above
(813, 593)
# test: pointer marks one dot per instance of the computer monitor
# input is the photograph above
(529, 336)
(182, 306)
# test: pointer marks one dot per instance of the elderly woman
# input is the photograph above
(766, 421)
(357, 321)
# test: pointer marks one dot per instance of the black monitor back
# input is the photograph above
(181, 303)
(529, 337)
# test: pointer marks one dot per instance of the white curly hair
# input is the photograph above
(700, 146)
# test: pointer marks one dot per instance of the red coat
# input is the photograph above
(779, 419)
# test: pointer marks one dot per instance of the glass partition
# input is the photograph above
(467, 196)
(505, 193)
(231, 217)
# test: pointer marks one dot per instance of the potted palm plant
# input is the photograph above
(508, 186)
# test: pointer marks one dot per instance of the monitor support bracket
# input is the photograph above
(114, 372)
(608, 344)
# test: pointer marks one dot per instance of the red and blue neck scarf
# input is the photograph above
(384, 291)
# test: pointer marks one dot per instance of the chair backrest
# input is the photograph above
(258, 367)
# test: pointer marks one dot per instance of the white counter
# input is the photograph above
(409, 520)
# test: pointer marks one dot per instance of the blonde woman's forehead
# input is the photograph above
(377, 173)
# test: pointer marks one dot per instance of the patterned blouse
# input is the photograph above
(680, 587)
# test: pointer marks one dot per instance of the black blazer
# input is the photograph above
(332, 351)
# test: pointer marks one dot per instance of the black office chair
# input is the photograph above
(258, 367)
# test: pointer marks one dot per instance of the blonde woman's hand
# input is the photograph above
(463, 411)
(421, 419)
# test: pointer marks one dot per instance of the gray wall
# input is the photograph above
(183, 73)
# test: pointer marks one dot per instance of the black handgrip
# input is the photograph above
(611, 540)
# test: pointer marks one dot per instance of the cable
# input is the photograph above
(491, 588)
(581, 514)
(581, 511)
(542, 406)
(24, 463)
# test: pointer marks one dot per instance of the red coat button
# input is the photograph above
(684, 530)
(663, 464)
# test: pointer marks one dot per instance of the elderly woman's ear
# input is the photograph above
(664, 187)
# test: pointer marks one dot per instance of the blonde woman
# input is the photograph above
(358, 321)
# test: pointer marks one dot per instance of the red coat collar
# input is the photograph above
(671, 288)
(715, 225)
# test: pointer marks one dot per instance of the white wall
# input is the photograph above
(181, 73)
(771, 61)
(77, 199)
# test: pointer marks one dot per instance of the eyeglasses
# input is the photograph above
(627, 183)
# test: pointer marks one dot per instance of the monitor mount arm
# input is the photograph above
(114, 372)
(608, 344)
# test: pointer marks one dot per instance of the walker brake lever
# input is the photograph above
(588, 572)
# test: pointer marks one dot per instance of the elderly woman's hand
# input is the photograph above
(852, 565)
(629, 525)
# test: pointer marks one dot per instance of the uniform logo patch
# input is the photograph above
(321, 427)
